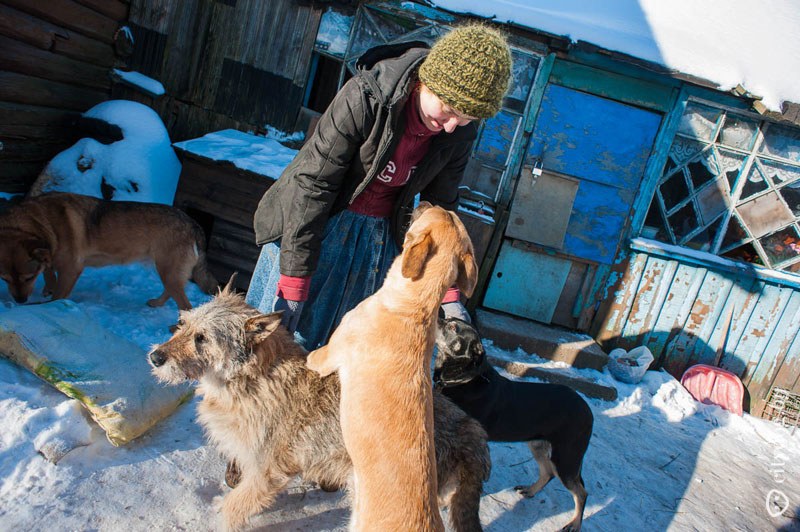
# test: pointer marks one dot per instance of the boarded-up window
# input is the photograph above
(731, 186)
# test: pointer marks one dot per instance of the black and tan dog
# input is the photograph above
(59, 234)
(553, 419)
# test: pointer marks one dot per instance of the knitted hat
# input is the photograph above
(468, 69)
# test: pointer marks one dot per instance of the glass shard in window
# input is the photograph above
(746, 253)
(781, 141)
(756, 182)
(780, 172)
(674, 190)
(791, 195)
(668, 166)
(738, 132)
(522, 73)
(713, 200)
(730, 164)
(683, 149)
(333, 33)
(792, 268)
(734, 234)
(699, 121)
(765, 214)
(782, 245)
(704, 240)
(702, 170)
(683, 221)
(654, 224)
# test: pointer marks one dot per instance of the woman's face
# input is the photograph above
(437, 115)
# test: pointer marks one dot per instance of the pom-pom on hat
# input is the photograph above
(469, 69)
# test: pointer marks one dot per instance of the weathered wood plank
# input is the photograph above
(775, 353)
(72, 15)
(46, 36)
(760, 327)
(677, 307)
(26, 59)
(591, 389)
(23, 27)
(653, 287)
(26, 150)
(114, 9)
(34, 115)
(701, 318)
(623, 292)
(21, 88)
(17, 177)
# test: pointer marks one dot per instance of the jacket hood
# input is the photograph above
(387, 69)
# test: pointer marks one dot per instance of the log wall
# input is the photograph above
(55, 59)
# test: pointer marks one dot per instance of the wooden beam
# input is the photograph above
(110, 8)
(23, 27)
(22, 88)
(71, 15)
(26, 59)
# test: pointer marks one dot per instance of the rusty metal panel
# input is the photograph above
(526, 284)
(541, 209)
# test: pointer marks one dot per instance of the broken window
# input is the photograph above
(731, 186)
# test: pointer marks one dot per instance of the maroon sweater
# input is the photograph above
(378, 198)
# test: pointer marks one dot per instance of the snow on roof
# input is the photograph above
(264, 156)
(728, 42)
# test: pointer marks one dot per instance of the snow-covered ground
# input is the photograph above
(657, 460)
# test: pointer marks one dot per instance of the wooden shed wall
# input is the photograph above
(680, 310)
(55, 58)
(237, 64)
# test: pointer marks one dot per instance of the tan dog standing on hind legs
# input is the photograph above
(382, 350)
(262, 407)
(60, 234)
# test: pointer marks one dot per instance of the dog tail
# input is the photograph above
(201, 275)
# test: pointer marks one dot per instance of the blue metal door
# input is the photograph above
(592, 153)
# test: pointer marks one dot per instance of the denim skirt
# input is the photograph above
(357, 251)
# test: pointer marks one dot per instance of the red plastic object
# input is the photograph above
(712, 385)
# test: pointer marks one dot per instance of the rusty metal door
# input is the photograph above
(588, 156)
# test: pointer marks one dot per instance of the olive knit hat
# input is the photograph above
(468, 69)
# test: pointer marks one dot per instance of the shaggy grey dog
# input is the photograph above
(276, 419)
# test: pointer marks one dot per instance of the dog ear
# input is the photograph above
(467, 274)
(416, 250)
(257, 329)
(38, 250)
(229, 287)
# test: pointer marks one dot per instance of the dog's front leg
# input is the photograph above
(252, 494)
(49, 281)
(67, 277)
(322, 360)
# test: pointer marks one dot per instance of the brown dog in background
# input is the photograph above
(264, 409)
(382, 350)
(62, 233)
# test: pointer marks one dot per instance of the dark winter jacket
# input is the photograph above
(353, 141)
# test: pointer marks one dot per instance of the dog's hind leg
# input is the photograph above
(579, 494)
(465, 502)
(253, 493)
(540, 449)
(173, 277)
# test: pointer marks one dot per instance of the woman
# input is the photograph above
(334, 221)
